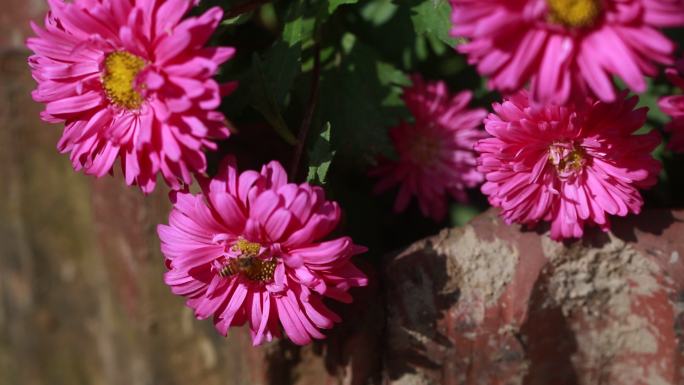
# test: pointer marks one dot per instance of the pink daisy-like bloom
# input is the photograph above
(674, 106)
(570, 165)
(566, 49)
(249, 250)
(131, 80)
(436, 155)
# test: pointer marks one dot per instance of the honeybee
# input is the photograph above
(255, 269)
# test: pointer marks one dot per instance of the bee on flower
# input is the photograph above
(249, 250)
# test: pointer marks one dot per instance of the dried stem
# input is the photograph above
(308, 114)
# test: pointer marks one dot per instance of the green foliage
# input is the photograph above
(343, 63)
(360, 98)
(379, 12)
(333, 4)
(237, 20)
(320, 157)
(432, 18)
(461, 214)
(300, 24)
(337, 68)
(264, 99)
(283, 64)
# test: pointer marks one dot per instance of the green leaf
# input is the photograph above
(320, 157)
(274, 73)
(389, 74)
(292, 32)
(650, 99)
(300, 24)
(461, 214)
(395, 80)
(378, 12)
(359, 97)
(263, 100)
(238, 20)
(433, 17)
(282, 64)
(269, 17)
(333, 4)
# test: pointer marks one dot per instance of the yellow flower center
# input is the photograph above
(121, 69)
(574, 13)
(566, 158)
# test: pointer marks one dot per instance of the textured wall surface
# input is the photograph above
(491, 304)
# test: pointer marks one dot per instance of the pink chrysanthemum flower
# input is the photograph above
(131, 80)
(674, 106)
(571, 165)
(436, 155)
(566, 48)
(249, 250)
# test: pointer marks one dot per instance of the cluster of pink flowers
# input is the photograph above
(133, 81)
(564, 151)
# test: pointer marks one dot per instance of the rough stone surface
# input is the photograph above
(531, 311)
(479, 269)
(606, 274)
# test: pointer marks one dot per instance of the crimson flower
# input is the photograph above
(435, 152)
